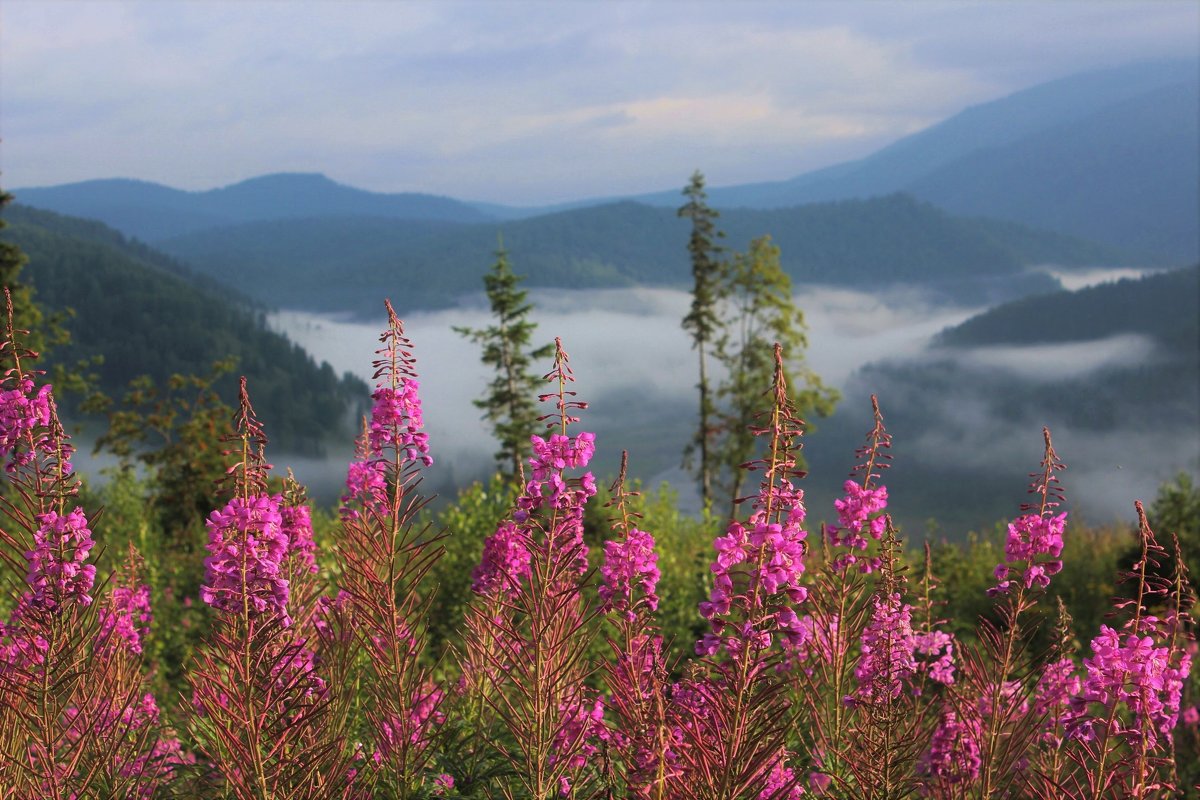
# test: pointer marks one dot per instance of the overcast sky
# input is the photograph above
(521, 103)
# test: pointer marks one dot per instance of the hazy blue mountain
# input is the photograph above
(1109, 155)
(145, 314)
(348, 264)
(152, 212)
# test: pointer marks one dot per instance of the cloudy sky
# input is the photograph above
(521, 102)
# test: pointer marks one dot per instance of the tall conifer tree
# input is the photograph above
(759, 311)
(509, 404)
(703, 321)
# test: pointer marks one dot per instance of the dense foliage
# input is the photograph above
(158, 320)
(615, 651)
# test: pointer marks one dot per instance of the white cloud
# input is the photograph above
(518, 102)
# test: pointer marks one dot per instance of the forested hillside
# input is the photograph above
(857, 243)
(145, 314)
(1163, 306)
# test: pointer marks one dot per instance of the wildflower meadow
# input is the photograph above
(540, 638)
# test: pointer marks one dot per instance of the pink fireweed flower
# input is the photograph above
(954, 756)
(548, 488)
(423, 713)
(57, 572)
(887, 660)
(22, 646)
(1035, 543)
(1134, 672)
(629, 564)
(126, 618)
(366, 483)
(442, 784)
(768, 559)
(297, 526)
(248, 545)
(580, 731)
(859, 510)
(505, 564)
(938, 649)
(781, 779)
(1052, 700)
(396, 422)
(21, 411)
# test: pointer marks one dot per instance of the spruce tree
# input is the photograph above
(758, 311)
(510, 402)
(703, 321)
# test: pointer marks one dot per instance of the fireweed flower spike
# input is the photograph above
(860, 510)
(1141, 669)
(1001, 710)
(261, 709)
(636, 675)
(69, 700)
(384, 556)
(529, 629)
(738, 742)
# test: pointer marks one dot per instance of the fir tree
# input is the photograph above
(703, 321)
(509, 404)
(759, 310)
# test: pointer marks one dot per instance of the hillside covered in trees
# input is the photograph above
(856, 243)
(142, 313)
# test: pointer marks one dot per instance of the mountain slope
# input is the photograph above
(152, 212)
(348, 263)
(1108, 155)
(146, 315)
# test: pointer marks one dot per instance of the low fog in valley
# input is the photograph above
(635, 367)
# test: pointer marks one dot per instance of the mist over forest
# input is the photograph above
(635, 367)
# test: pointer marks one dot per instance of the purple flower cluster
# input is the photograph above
(773, 555)
(21, 645)
(781, 779)
(629, 563)
(887, 660)
(938, 649)
(295, 669)
(1031, 537)
(580, 731)
(21, 411)
(505, 564)
(1058, 685)
(809, 638)
(954, 756)
(297, 526)
(1135, 672)
(396, 422)
(424, 711)
(366, 483)
(248, 544)
(859, 510)
(57, 572)
(547, 488)
(126, 618)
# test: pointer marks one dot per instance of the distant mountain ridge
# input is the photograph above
(152, 212)
(858, 243)
(1111, 155)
